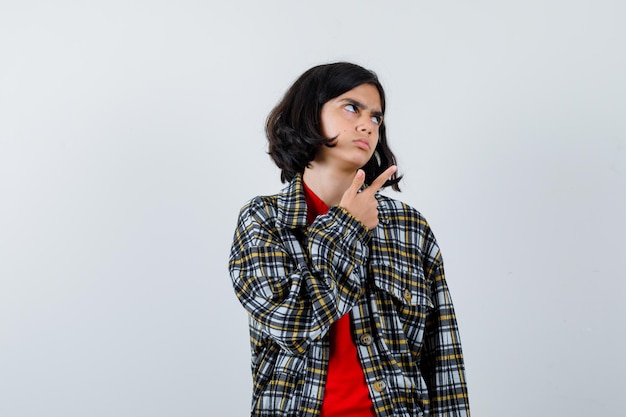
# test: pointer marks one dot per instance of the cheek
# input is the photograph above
(327, 130)
(326, 126)
(332, 128)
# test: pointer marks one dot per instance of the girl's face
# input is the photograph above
(354, 119)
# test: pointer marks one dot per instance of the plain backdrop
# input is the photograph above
(131, 132)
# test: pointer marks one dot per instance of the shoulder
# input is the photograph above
(257, 222)
(287, 209)
(260, 206)
(399, 211)
(406, 224)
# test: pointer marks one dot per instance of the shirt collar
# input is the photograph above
(292, 205)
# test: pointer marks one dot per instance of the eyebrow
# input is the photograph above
(361, 106)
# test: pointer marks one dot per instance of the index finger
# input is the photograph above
(381, 179)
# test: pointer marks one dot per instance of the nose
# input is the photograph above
(366, 125)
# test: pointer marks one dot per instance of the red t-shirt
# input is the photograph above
(346, 393)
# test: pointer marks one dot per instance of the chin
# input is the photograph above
(361, 162)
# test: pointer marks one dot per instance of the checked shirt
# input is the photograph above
(295, 280)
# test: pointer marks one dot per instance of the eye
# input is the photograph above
(377, 120)
(351, 108)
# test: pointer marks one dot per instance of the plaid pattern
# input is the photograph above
(295, 280)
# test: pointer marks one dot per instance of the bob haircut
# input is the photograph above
(293, 127)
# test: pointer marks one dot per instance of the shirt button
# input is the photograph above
(407, 295)
(380, 385)
(366, 339)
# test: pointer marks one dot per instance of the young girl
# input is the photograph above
(349, 310)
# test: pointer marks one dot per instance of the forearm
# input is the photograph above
(442, 361)
(295, 290)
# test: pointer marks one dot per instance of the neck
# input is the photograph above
(328, 184)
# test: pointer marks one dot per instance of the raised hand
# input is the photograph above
(363, 205)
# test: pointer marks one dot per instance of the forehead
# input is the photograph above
(365, 94)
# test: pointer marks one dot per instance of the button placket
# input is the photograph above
(366, 339)
(380, 385)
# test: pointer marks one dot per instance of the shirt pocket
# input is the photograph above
(407, 287)
(403, 303)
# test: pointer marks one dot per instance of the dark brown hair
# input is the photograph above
(293, 127)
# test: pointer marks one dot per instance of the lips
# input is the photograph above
(362, 143)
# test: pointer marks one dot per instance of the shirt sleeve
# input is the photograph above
(295, 288)
(442, 358)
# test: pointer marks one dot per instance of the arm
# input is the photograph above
(442, 358)
(294, 292)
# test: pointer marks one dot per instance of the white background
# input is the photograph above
(131, 132)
